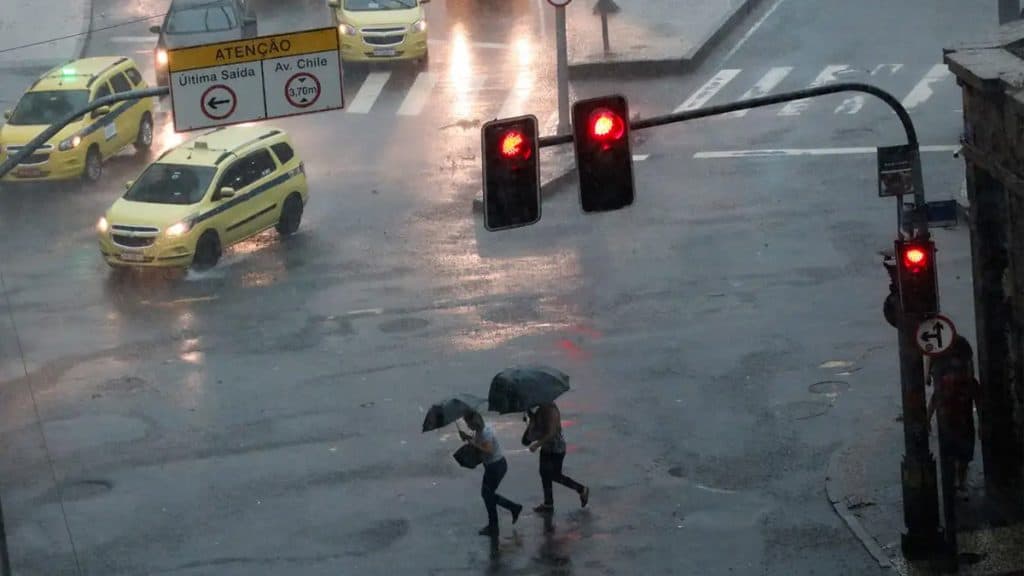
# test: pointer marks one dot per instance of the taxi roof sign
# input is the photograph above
(239, 81)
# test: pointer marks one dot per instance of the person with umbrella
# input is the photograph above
(495, 468)
(545, 429)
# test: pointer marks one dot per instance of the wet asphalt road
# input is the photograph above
(263, 417)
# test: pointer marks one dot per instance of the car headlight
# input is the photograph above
(69, 143)
(161, 57)
(102, 226)
(347, 30)
(179, 229)
(420, 26)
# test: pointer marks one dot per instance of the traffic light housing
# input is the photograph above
(604, 159)
(916, 271)
(511, 166)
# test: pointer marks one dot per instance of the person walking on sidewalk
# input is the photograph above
(954, 397)
(495, 468)
(545, 431)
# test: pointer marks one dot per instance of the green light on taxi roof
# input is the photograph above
(68, 71)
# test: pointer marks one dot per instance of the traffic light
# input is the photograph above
(511, 173)
(919, 292)
(603, 156)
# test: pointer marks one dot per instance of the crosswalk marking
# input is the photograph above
(828, 74)
(709, 89)
(764, 86)
(368, 92)
(419, 93)
(851, 105)
(923, 90)
(893, 69)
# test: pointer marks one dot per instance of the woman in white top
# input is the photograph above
(495, 467)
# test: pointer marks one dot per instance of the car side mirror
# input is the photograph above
(226, 192)
(154, 29)
(334, 3)
(7, 114)
(128, 185)
(101, 112)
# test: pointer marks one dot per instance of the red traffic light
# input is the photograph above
(514, 145)
(915, 258)
(606, 126)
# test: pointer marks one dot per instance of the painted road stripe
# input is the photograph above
(827, 75)
(783, 152)
(368, 92)
(709, 89)
(764, 86)
(133, 39)
(515, 103)
(923, 91)
(753, 30)
(417, 97)
(640, 157)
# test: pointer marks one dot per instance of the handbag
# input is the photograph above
(468, 456)
(531, 434)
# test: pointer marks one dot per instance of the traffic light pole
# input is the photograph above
(56, 127)
(920, 492)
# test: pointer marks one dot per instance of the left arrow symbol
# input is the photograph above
(214, 103)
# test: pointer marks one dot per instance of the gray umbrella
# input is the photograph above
(451, 409)
(520, 388)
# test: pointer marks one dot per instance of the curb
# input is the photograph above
(838, 503)
(550, 187)
(686, 63)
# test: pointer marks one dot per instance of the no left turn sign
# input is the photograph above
(559, 3)
(218, 102)
(935, 335)
(302, 90)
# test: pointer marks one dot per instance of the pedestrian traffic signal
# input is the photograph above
(603, 156)
(511, 173)
(919, 292)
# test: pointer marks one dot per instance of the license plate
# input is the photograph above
(29, 172)
(132, 257)
(384, 52)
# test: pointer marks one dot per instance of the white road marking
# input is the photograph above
(851, 105)
(640, 157)
(786, 152)
(143, 51)
(366, 312)
(893, 69)
(517, 98)
(923, 91)
(765, 85)
(828, 74)
(417, 97)
(753, 30)
(709, 89)
(133, 39)
(368, 92)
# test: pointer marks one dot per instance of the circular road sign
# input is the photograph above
(935, 335)
(559, 3)
(302, 90)
(218, 102)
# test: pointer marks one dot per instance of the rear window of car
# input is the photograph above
(120, 83)
(283, 152)
(134, 76)
(216, 18)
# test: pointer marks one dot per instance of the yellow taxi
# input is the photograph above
(81, 147)
(204, 195)
(373, 30)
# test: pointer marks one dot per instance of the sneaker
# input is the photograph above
(488, 531)
(544, 508)
(585, 496)
(515, 512)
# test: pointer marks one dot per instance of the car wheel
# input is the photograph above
(144, 139)
(93, 165)
(291, 216)
(424, 62)
(208, 251)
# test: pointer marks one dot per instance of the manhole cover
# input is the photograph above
(802, 410)
(829, 387)
(403, 325)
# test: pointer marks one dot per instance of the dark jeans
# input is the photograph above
(551, 471)
(493, 473)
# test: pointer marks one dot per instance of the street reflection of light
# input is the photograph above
(524, 51)
(460, 72)
(169, 138)
(190, 351)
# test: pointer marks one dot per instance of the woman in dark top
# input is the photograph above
(545, 431)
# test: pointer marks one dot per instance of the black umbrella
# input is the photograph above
(447, 411)
(523, 387)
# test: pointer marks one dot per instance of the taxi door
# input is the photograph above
(103, 130)
(258, 209)
(126, 115)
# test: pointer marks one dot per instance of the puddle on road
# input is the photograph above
(802, 410)
(829, 387)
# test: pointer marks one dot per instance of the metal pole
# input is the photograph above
(562, 48)
(950, 556)
(5, 559)
(604, 32)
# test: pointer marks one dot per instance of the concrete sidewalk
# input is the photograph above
(648, 37)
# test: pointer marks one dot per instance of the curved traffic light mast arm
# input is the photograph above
(44, 136)
(901, 112)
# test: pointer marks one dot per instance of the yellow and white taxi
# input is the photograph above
(373, 30)
(204, 195)
(81, 147)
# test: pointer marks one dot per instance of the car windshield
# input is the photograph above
(171, 184)
(366, 5)
(202, 19)
(47, 107)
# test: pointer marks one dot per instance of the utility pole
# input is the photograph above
(562, 48)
